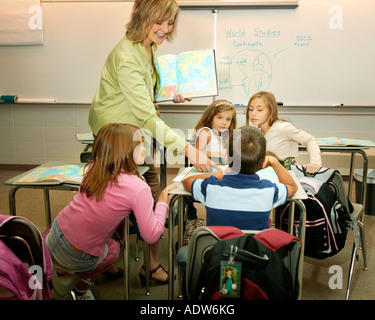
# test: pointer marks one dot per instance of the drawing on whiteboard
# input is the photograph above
(248, 71)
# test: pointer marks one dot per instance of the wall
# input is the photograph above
(34, 134)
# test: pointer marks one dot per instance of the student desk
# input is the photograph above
(71, 187)
(352, 151)
(177, 198)
(45, 188)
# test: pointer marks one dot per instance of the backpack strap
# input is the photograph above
(324, 174)
(311, 183)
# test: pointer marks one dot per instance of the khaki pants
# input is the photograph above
(152, 179)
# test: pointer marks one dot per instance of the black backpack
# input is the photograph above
(264, 275)
(327, 218)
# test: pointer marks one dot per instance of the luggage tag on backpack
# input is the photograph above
(230, 275)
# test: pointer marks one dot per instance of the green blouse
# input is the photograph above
(126, 95)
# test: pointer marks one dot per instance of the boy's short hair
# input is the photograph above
(247, 150)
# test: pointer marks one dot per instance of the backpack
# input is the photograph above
(327, 218)
(25, 262)
(264, 275)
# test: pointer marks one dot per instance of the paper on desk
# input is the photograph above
(191, 171)
(182, 174)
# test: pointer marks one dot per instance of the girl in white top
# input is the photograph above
(212, 137)
(282, 137)
(214, 127)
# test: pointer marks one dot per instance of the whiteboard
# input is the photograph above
(78, 36)
(77, 40)
(307, 64)
(301, 55)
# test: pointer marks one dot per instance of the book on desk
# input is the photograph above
(192, 171)
(342, 142)
(85, 137)
(266, 173)
(70, 173)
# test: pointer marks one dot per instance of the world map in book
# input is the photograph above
(54, 175)
(335, 141)
(191, 73)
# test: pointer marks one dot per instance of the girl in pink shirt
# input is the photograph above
(80, 240)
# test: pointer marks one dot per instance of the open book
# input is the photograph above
(71, 174)
(85, 137)
(266, 173)
(191, 73)
(191, 171)
(334, 141)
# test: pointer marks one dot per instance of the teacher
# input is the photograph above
(126, 92)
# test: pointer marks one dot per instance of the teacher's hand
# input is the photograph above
(178, 98)
(157, 109)
(199, 160)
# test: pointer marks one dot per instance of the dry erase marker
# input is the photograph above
(338, 105)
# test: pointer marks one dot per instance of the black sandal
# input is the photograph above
(143, 277)
(113, 276)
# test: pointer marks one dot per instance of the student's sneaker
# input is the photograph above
(84, 295)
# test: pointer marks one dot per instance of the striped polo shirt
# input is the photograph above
(240, 200)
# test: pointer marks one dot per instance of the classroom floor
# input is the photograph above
(316, 274)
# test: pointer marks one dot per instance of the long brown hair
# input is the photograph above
(271, 102)
(112, 153)
(146, 13)
(214, 108)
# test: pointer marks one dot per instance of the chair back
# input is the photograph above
(25, 266)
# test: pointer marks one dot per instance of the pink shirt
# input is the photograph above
(88, 224)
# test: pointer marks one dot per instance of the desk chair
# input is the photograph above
(63, 284)
(86, 155)
(126, 261)
(26, 242)
(357, 227)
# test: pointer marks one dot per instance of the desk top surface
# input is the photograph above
(142, 170)
(299, 195)
(337, 148)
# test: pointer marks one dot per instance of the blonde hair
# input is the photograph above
(270, 100)
(213, 109)
(112, 153)
(146, 13)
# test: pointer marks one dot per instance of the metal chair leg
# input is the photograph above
(147, 267)
(351, 272)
